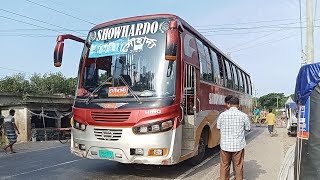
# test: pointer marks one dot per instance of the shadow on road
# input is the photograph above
(253, 170)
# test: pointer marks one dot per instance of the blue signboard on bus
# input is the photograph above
(303, 126)
(107, 48)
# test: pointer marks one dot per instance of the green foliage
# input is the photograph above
(16, 83)
(270, 100)
(51, 83)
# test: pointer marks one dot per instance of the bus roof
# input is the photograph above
(154, 16)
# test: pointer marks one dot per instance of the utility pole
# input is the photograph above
(255, 95)
(310, 48)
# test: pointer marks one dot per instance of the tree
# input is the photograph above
(16, 84)
(271, 100)
(51, 83)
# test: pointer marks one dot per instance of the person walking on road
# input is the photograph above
(256, 114)
(226, 101)
(1, 129)
(232, 124)
(10, 130)
(271, 120)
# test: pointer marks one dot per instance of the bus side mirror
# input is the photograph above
(172, 37)
(58, 53)
(58, 50)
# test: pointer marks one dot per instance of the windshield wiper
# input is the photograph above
(91, 95)
(129, 88)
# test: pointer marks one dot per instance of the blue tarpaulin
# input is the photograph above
(308, 78)
(307, 96)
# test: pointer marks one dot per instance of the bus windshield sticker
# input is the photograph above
(102, 49)
(120, 91)
(137, 44)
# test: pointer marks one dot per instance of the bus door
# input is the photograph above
(191, 103)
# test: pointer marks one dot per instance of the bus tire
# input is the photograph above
(202, 146)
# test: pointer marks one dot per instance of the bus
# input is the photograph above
(150, 89)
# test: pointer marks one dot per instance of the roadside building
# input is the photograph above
(36, 114)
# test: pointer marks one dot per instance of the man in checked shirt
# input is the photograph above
(232, 124)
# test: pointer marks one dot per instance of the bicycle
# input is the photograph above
(64, 135)
(259, 122)
(61, 134)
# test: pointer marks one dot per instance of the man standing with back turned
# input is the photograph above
(232, 124)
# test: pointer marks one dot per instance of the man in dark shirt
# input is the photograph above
(10, 130)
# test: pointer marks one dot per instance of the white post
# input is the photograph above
(310, 48)
(44, 125)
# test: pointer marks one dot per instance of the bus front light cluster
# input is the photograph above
(79, 126)
(161, 126)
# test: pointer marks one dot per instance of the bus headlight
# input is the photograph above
(161, 126)
(79, 126)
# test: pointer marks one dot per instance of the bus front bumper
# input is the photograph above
(122, 145)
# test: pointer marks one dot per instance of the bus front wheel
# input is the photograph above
(202, 146)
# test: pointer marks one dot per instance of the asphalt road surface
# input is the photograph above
(59, 163)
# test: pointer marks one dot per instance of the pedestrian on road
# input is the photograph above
(1, 129)
(232, 124)
(256, 114)
(10, 130)
(226, 101)
(271, 120)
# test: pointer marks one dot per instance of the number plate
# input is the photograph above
(106, 154)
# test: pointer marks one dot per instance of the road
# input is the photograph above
(58, 163)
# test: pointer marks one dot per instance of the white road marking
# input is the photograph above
(203, 162)
(28, 172)
(39, 150)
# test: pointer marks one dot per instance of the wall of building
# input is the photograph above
(24, 104)
(21, 121)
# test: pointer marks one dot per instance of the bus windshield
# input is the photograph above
(127, 61)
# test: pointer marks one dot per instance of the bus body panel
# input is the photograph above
(121, 148)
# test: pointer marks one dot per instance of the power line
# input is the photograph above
(60, 12)
(33, 29)
(250, 32)
(72, 9)
(253, 22)
(37, 20)
(30, 24)
(15, 70)
(283, 25)
(31, 35)
(268, 42)
(253, 40)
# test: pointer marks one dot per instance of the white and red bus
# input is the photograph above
(150, 89)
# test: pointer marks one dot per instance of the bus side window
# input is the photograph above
(236, 77)
(228, 74)
(249, 85)
(241, 80)
(222, 71)
(202, 60)
(209, 64)
(245, 83)
(217, 69)
(205, 62)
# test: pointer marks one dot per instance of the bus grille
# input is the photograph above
(110, 116)
(108, 134)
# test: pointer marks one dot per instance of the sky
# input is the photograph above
(263, 37)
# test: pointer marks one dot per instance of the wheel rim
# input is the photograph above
(202, 145)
